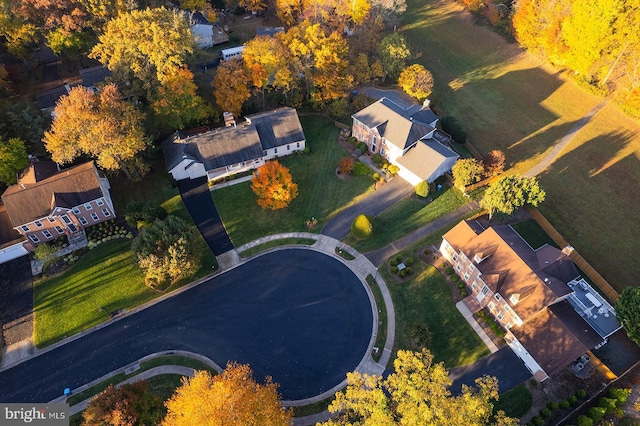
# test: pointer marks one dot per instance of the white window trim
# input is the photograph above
(75, 210)
(34, 238)
(106, 212)
(47, 234)
(59, 230)
(100, 202)
(88, 206)
(83, 221)
(95, 216)
(25, 228)
(66, 219)
(38, 224)
(466, 276)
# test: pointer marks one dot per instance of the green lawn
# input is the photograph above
(406, 216)
(425, 300)
(321, 193)
(104, 280)
(533, 234)
(516, 402)
(508, 100)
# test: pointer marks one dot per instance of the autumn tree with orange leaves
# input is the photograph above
(231, 398)
(128, 404)
(274, 186)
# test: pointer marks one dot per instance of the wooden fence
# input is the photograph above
(580, 261)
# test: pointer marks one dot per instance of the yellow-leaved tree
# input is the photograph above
(416, 393)
(100, 125)
(232, 398)
(230, 86)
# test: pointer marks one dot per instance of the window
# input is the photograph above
(466, 276)
(297, 144)
(288, 147)
(471, 267)
(34, 238)
(382, 151)
(474, 286)
(38, 223)
(500, 316)
(275, 150)
(374, 141)
(491, 305)
(25, 228)
(106, 212)
(83, 220)
(87, 206)
(498, 297)
(455, 256)
(485, 289)
(94, 216)
(75, 210)
(47, 234)
(60, 230)
(458, 267)
(66, 219)
(51, 220)
(100, 202)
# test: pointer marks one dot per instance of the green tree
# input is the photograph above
(24, 120)
(628, 312)
(100, 125)
(167, 251)
(362, 227)
(393, 51)
(510, 193)
(69, 47)
(466, 171)
(416, 81)
(128, 404)
(416, 393)
(232, 398)
(13, 158)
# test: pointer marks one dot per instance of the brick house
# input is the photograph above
(406, 137)
(551, 314)
(47, 203)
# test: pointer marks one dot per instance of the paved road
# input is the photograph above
(298, 315)
(198, 201)
(504, 365)
(389, 194)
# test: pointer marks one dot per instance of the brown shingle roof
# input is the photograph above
(460, 235)
(27, 202)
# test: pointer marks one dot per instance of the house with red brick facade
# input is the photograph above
(48, 203)
(551, 314)
(406, 137)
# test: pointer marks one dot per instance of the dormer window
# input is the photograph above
(477, 258)
(514, 299)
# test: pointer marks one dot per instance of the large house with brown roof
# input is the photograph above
(47, 203)
(234, 149)
(551, 314)
(406, 137)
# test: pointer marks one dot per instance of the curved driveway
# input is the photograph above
(296, 314)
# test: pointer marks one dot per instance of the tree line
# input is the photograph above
(597, 40)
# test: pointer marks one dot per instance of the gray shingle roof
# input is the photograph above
(94, 75)
(277, 128)
(425, 158)
(393, 122)
(198, 18)
(225, 147)
(27, 202)
(49, 98)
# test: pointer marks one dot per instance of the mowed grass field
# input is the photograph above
(507, 99)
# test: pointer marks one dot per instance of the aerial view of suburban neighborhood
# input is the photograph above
(320, 212)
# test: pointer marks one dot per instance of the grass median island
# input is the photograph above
(103, 281)
(321, 193)
(406, 216)
(276, 243)
(381, 336)
(424, 301)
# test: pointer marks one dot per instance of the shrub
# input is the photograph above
(394, 269)
(427, 252)
(306, 150)
(449, 270)
(573, 400)
(564, 404)
(393, 169)
(584, 420)
(545, 412)
(481, 314)
(620, 395)
(362, 227)
(352, 139)
(144, 211)
(463, 292)
(399, 258)
(553, 405)
(346, 165)
(597, 413)
(375, 177)
(357, 152)
(376, 159)
(581, 393)
(500, 333)
(422, 189)
(538, 421)
(402, 273)
(361, 146)
(455, 278)
(609, 404)
(409, 261)
(460, 284)
(393, 262)
(361, 169)
(409, 270)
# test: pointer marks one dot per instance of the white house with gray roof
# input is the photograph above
(230, 150)
(407, 138)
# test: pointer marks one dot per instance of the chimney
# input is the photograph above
(229, 120)
(426, 103)
(568, 250)
(66, 86)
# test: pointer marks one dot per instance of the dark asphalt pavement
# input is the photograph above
(16, 300)
(504, 365)
(389, 194)
(198, 201)
(296, 315)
